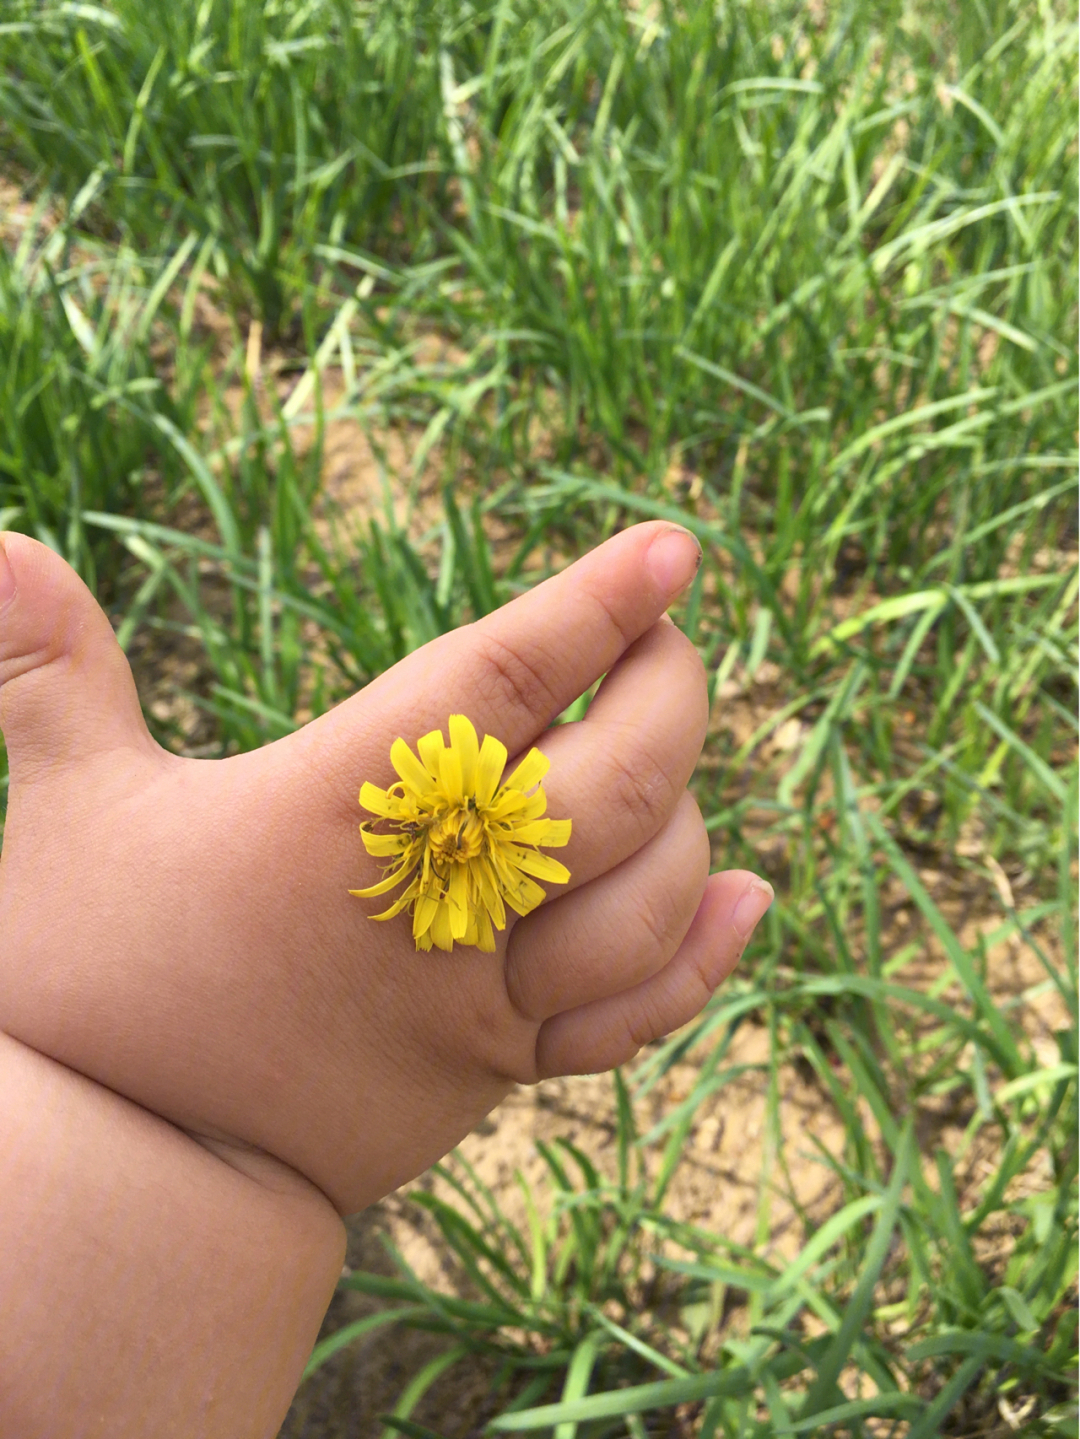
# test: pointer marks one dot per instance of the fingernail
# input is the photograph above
(754, 901)
(7, 579)
(673, 559)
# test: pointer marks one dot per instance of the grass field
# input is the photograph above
(328, 325)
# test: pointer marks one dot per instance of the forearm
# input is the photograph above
(147, 1287)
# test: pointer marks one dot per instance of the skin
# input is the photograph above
(209, 1053)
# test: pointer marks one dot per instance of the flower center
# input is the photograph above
(458, 835)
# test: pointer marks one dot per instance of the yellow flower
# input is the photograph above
(470, 840)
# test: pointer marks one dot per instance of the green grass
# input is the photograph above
(808, 286)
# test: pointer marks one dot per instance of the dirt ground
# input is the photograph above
(717, 1186)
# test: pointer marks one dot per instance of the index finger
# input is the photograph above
(516, 670)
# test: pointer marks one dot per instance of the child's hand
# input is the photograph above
(181, 930)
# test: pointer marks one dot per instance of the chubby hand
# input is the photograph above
(181, 931)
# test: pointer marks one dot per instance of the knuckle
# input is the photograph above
(503, 1043)
(693, 685)
(652, 1017)
(526, 988)
(643, 1027)
(687, 828)
(642, 787)
(694, 661)
(516, 681)
(16, 661)
(623, 633)
(522, 1068)
(697, 988)
(657, 914)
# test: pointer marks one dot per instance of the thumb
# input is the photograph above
(66, 690)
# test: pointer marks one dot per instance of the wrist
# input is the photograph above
(145, 1279)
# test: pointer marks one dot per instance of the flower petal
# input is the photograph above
(529, 772)
(387, 882)
(450, 776)
(490, 894)
(513, 805)
(410, 769)
(463, 739)
(542, 865)
(430, 746)
(441, 932)
(423, 914)
(378, 801)
(553, 833)
(402, 902)
(525, 897)
(459, 901)
(380, 845)
(489, 769)
(394, 910)
(485, 940)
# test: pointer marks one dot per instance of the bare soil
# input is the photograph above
(729, 1160)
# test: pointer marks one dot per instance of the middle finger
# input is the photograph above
(619, 773)
(615, 932)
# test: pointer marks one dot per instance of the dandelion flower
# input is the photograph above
(467, 837)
